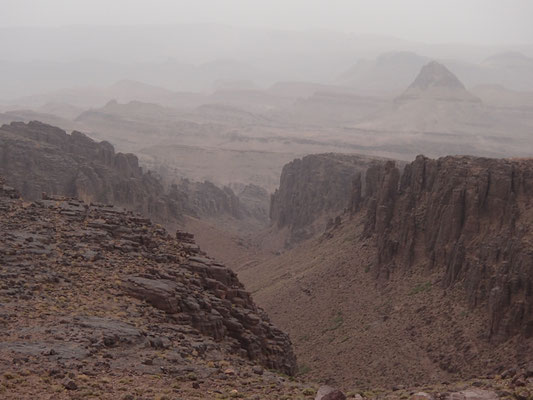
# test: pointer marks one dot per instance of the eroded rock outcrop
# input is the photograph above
(208, 200)
(37, 158)
(312, 189)
(79, 278)
(471, 217)
(215, 303)
(256, 199)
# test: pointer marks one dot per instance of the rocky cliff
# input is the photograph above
(256, 199)
(312, 189)
(37, 158)
(428, 280)
(208, 200)
(470, 217)
(97, 302)
(94, 290)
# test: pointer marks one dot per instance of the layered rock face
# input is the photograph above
(99, 287)
(37, 158)
(470, 217)
(313, 188)
(207, 199)
(256, 200)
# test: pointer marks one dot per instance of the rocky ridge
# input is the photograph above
(208, 200)
(313, 189)
(426, 279)
(97, 292)
(470, 217)
(37, 158)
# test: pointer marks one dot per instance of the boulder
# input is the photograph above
(329, 393)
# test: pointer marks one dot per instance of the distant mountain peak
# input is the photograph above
(435, 81)
(435, 74)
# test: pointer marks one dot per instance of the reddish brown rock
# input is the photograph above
(38, 158)
(101, 256)
(329, 393)
(312, 189)
(470, 216)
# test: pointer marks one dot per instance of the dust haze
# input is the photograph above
(270, 81)
(364, 168)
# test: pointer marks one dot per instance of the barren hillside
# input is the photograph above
(428, 279)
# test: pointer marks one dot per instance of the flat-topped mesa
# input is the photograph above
(126, 263)
(471, 218)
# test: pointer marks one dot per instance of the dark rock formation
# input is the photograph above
(312, 189)
(208, 200)
(256, 200)
(99, 256)
(329, 393)
(471, 217)
(37, 158)
(216, 304)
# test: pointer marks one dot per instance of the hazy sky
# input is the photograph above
(466, 21)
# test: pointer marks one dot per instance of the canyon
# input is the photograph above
(73, 322)
(275, 242)
(429, 267)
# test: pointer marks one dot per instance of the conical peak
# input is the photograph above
(435, 74)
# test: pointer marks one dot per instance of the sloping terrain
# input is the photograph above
(391, 72)
(427, 279)
(218, 165)
(37, 158)
(243, 136)
(388, 73)
(27, 115)
(97, 302)
(435, 81)
(499, 96)
(437, 102)
(138, 123)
